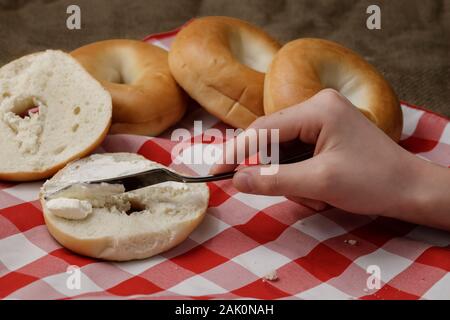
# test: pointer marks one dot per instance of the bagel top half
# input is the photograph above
(304, 67)
(221, 63)
(146, 99)
(51, 112)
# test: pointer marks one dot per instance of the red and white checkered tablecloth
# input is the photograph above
(242, 238)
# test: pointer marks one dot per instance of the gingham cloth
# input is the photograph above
(242, 238)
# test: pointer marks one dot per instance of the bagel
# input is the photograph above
(102, 222)
(220, 62)
(146, 99)
(304, 67)
(74, 114)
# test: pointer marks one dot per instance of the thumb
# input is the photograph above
(296, 179)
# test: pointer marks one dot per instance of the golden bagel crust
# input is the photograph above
(216, 60)
(146, 99)
(304, 67)
(96, 246)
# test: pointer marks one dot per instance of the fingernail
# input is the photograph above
(242, 181)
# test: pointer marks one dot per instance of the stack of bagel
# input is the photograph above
(234, 70)
(57, 107)
(239, 73)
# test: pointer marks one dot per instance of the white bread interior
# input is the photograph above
(74, 115)
(165, 214)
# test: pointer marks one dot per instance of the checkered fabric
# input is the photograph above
(242, 238)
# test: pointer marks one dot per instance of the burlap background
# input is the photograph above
(411, 49)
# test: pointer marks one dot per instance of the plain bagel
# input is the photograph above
(304, 67)
(221, 63)
(101, 221)
(67, 125)
(146, 98)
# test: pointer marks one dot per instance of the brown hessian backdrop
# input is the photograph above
(411, 49)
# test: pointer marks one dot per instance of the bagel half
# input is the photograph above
(123, 226)
(73, 118)
(146, 99)
(221, 62)
(304, 67)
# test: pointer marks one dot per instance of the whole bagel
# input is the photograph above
(221, 62)
(304, 67)
(146, 99)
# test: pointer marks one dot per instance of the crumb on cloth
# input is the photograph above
(271, 276)
(351, 242)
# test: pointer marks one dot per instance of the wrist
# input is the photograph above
(426, 199)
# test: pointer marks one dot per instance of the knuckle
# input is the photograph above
(333, 104)
(330, 97)
(259, 123)
(330, 94)
(268, 184)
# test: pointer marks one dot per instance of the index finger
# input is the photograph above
(296, 122)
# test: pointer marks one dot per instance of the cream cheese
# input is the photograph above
(102, 167)
(73, 209)
(86, 191)
(81, 197)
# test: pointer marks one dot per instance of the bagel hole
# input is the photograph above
(250, 52)
(120, 77)
(135, 207)
(336, 76)
(25, 107)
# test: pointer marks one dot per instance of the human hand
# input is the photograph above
(356, 167)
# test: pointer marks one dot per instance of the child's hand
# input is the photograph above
(356, 167)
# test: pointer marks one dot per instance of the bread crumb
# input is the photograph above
(351, 242)
(271, 276)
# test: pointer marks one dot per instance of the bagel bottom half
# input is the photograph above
(121, 226)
